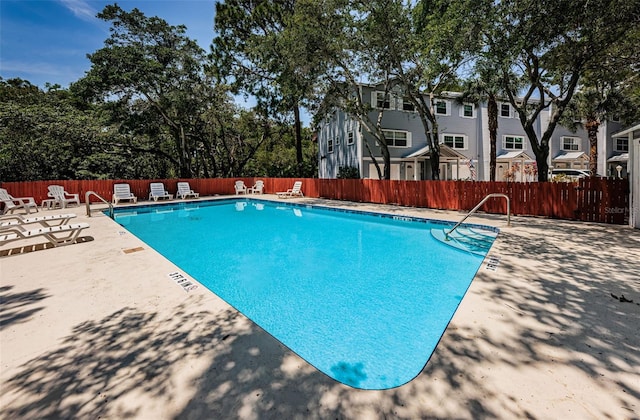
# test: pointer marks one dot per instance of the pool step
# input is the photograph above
(470, 239)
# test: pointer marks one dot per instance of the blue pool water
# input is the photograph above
(363, 298)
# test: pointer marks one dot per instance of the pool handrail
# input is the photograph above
(88, 203)
(446, 235)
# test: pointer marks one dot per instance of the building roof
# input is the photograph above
(515, 154)
(626, 132)
(622, 157)
(445, 151)
(570, 156)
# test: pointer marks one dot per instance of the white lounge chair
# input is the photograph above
(296, 191)
(156, 191)
(184, 191)
(60, 196)
(240, 187)
(257, 188)
(9, 221)
(70, 233)
(123, 192)
(12, 204)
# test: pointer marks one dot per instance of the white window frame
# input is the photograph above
(351, 138)
(618, 141)
(330, 146)
(465, 140)
(504, 142)
(500, 110)
(374, 100)
(402, 101)
(447, 107)
(473, 110)
(387, 136)
(574, 141)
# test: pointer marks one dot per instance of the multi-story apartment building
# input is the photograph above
(464, 140)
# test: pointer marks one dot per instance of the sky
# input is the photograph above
(47, 41)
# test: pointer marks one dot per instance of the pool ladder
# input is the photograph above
(88, 203)
(446, 235)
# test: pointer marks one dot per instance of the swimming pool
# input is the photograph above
(364, 298)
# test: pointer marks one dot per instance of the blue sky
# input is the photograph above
(48, 40)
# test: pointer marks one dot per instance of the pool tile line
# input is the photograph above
(221, 201)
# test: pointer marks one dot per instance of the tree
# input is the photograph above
(425, 60)
(486, 87)
(44, 135)
(356, 50)
(607, 90)
(263, 48)
(153, 76)
(543, 48)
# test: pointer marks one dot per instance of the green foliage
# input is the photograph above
(348, 172)
(265, 49)
(154, 105)
(43, 135)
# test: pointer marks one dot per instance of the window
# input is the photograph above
(442, 108)
(350, 138)
(622, 145)
(513, 143)
(505, 110)
(467, 111)
(330, 146)
(570, 144)
(615, 118)
(407, 105)
(455, 141)
(397, 138)
(381, 101)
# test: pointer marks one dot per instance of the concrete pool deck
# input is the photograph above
(98, 329)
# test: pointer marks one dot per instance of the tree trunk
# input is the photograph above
(492, 111)
(298, 135)
(592, 126)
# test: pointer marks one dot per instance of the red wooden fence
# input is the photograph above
(591, 199)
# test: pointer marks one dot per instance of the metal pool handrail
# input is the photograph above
(88, 203)
(446, 235)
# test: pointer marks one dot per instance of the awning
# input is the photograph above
(419, 152)
(626, 132)
(519, 154)
(622, 157)
(571, 156)
(445, 152)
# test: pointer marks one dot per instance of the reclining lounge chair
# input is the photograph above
(123, 192)
(45, 221)
(296, 191)
(156, 191)
(184, 191)
(52, 233)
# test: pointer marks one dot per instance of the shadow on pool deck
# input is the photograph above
(541, 337)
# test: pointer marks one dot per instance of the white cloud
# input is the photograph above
(80, 8)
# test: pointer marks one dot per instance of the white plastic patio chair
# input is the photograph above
(60, 196)
(257, 187)
(157, 191)
(12, 204)
(123, 192)
(240, 187)
(295, 191)
(184, 191)
(70, 233)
